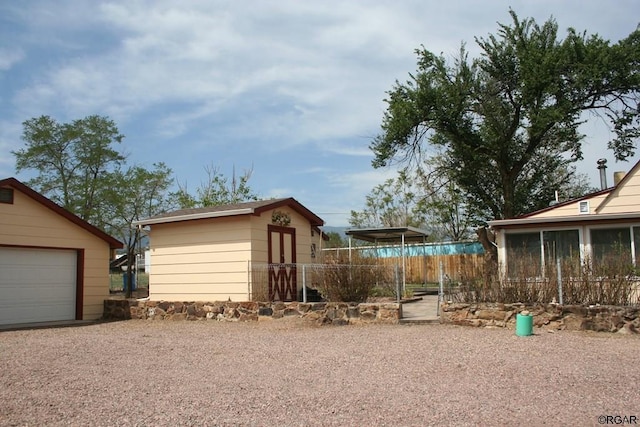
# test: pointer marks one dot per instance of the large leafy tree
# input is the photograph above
(72, 161)
(507, 122)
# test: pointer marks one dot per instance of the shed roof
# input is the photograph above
(220, 211)
(388, 234)
(26, 190)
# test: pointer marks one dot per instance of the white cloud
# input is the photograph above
(10, 57)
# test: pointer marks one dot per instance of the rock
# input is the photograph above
(290, 311)
(312, 315)
(265, 311)
(353, 312)
(490, 314)
(627, 329)
(304, 307)
(178, 316)
(248, 317)
(368, 315)
(249, 305)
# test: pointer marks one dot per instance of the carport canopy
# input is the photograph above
(390, 235)
(396, 235)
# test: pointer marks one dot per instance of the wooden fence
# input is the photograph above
(421, 269)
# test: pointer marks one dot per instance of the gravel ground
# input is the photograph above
(290, 373)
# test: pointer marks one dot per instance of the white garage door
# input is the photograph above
(37, 285)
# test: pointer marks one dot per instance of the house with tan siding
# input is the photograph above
(213, 253)
(590, 229)
(53, 265)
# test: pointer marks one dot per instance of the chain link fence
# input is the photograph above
(323, 282)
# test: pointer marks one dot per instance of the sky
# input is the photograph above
(292, 90)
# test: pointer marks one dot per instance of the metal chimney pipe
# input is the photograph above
(602, 167)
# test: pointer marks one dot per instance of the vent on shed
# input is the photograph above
(6, 195)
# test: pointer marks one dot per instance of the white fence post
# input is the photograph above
(559, 282)
(397, 277)
(304, 283)
(441, 288)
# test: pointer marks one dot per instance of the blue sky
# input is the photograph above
(292, 89)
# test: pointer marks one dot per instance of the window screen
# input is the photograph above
(611, 243)
(523, 253)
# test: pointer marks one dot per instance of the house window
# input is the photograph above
(6, 195)
(523, 253)
(561, 245)
(611, 244)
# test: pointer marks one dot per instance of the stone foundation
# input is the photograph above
(549, 316)
(321, 312)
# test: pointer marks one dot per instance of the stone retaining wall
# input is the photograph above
(320, 312)
(549, 316)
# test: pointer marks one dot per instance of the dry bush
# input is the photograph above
(341, 279)
(608, 281)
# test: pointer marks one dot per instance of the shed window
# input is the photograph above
(6, 195)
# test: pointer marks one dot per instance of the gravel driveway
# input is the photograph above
(290, 373)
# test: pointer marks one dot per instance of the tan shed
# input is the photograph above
(53, 265)
(207, 254)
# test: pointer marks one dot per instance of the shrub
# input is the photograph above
(341, 279)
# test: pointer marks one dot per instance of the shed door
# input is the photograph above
(37, 285)
(282, 264)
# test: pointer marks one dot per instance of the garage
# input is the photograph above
(37, 285)
(54, 266)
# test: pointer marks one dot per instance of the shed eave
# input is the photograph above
(202, 215)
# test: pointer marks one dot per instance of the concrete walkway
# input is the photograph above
(422, 311)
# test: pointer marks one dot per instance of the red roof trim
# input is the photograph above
(295, 205)
(14, 183)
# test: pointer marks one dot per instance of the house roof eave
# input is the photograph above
(528, 221)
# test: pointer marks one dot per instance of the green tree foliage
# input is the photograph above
(393, 203)
(424, 198)
(507, 121)
(72, 162)
(216, 190)
(444, 205)
(135, 193)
